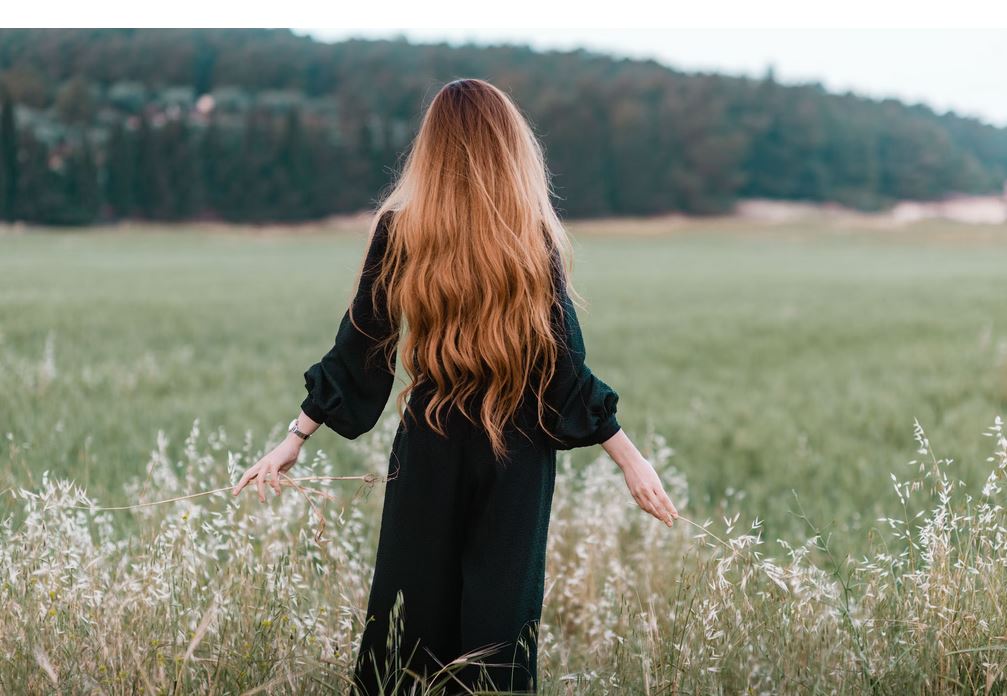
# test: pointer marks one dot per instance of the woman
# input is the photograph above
(467, 269)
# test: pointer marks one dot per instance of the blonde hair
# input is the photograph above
(473, 247)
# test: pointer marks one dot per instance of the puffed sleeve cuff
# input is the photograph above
(603, 421)
(591, 425)
(323, 397)
(312, 411)
(609, 427)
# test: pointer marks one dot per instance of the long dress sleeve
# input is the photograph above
(349, 387)
(586, 405)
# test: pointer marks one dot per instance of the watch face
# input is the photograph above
(294, 429)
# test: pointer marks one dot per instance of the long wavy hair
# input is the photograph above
(473, 244)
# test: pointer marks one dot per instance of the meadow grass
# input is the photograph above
(793, 359)
(774, 376)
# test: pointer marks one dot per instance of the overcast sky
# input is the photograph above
(964, 70)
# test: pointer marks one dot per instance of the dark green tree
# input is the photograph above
(82, 200)
(295, 129)
(8, 157)
(121, 173)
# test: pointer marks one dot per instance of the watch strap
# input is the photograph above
(297, 431)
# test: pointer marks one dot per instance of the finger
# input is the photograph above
(647, 504)
(261, 486)
(671, 506)
(267, 473)
(658, 508)
(653, 504)
(265, 479)
(641, 499)
(666, 515)
(244, 480)
(275, 478)
(666, 505)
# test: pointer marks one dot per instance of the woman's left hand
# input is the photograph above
(268, 469)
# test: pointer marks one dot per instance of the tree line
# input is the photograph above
(264, 125)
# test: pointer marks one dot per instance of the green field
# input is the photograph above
(773, 359)
(753, 362)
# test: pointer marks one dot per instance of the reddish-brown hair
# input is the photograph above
(470, 259)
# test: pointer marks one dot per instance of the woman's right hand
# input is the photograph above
(646, 488)
(641, 478)
(268, 469)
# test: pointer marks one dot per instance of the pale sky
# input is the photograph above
(964, 70)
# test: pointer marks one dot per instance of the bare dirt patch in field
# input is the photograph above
(754, 217)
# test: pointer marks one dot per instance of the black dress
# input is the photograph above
(463, 539)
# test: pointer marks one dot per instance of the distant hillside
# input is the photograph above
(261, 125)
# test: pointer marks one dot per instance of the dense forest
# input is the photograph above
(264, 125)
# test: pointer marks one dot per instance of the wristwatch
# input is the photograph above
(293, 429)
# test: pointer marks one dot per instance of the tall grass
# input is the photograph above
(772, 358)
(222, 595)
(772, 362)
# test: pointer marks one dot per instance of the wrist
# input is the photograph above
(294, 430)
(622, 451)
(631, 461)
(292, 439)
